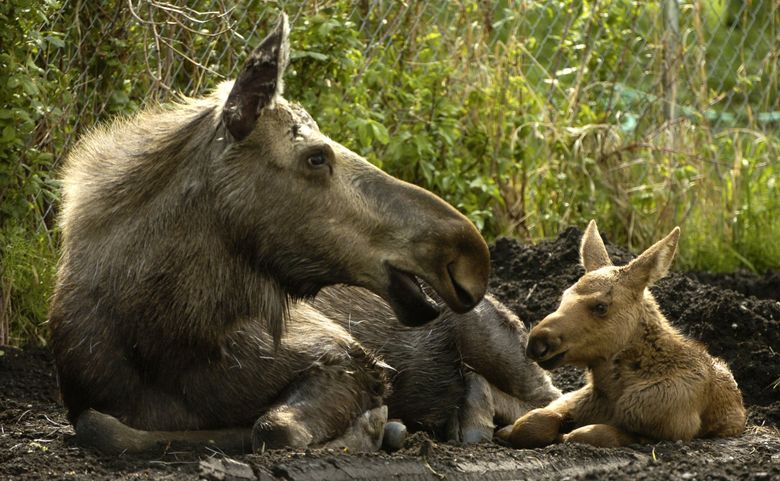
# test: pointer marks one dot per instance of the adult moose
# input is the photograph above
(192, 237)
(645, 379)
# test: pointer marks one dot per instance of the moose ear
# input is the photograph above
(654, 263)
(259, 81)
(593, 254)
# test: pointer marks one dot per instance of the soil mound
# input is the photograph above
(738, 324)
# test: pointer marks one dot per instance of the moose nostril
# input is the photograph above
(536, 349)
(464, 296)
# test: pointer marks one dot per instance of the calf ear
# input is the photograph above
(593, 254)
(259, 81)
(653, 263)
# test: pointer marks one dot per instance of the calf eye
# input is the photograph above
(600, 309)
(317, 160)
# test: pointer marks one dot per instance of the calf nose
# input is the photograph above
(537, 348)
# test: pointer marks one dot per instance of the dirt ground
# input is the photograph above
(737, 316)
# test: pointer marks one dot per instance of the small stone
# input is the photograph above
(687, 475)
(225, 470)
(394, 436)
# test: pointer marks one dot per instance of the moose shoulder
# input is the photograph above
(192, 237)
(645, 379)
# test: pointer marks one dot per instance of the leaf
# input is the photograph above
(308, 54)
(9, 134)
(380, 132)
(55, 41)
(565, 71)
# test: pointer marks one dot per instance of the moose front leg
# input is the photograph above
(365, 434)
(323, 404)
(474, 419)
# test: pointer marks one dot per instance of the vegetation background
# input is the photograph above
(528, 115)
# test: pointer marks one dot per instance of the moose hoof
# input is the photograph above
(269, 435)
(365, 434)
(108, 434)
(600, 435)
(395, 435)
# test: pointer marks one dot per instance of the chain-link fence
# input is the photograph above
(640, 67)
(712, 61)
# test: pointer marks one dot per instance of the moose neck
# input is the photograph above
(156, 215)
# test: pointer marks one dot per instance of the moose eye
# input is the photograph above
(317, 160)
(600, 309)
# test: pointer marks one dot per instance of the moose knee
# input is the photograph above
(600, 435)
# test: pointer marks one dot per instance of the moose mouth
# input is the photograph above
(408, 300)
(552, 362)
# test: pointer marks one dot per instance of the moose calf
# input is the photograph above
(646, 381)
(453, 377)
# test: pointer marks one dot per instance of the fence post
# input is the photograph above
(5, 324)
(671, 59)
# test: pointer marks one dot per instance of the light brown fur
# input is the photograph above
(646, 381)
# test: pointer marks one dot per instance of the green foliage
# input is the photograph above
(27, 188)
(528, 116)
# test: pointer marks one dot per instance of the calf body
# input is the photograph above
(193, 234)
(645, 379)
(454, 377)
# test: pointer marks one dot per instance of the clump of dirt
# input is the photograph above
(747, 283)
(36, 441)
(742, 330)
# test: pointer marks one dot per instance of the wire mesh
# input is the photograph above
(633, 66)
(724, 53)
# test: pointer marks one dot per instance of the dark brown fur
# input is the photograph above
(193, 233)
(434, 366)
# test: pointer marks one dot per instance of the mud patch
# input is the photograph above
(36, 441)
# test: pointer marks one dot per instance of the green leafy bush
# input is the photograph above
(28, 136)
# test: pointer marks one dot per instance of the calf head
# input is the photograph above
(600, 312)
(308, 212)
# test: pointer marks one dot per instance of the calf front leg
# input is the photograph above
(536, 429)
(545, 426)
(601, 435)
